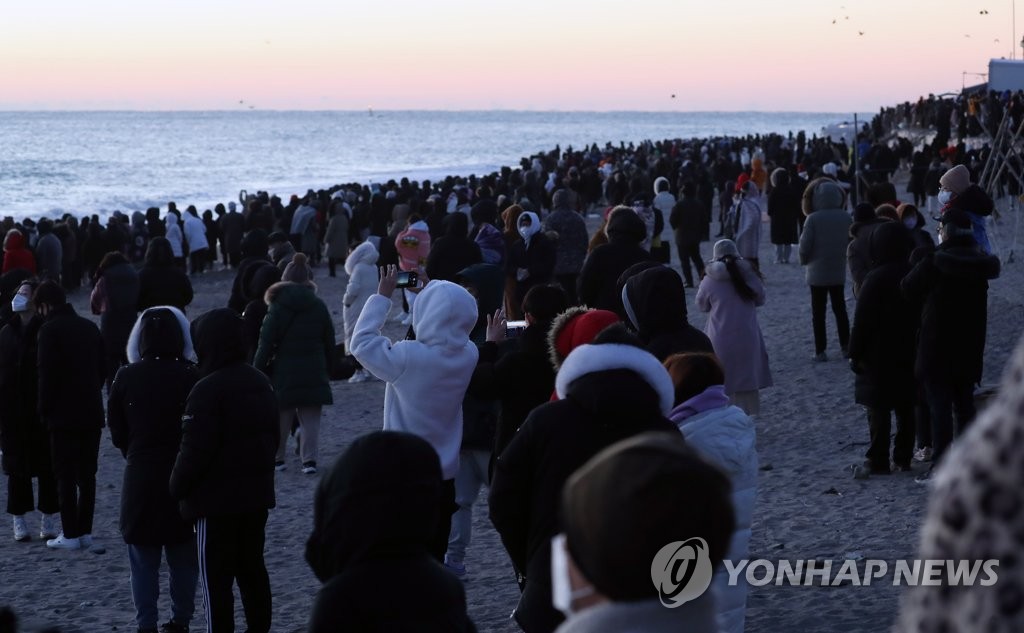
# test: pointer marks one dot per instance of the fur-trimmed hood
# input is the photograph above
(138, 347)
(822, 193)
(560, 346)
(365, 253)
(591, 358)
(963, 258)
(292, 293)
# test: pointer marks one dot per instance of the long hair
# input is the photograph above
(736, 276)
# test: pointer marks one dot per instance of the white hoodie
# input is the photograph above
(426, 378)
(174, 234)
(195, 232)
(361, 267)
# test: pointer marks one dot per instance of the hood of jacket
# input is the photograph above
(655, 301)
(219, 340)
(14, 240)
(626, 227)
(260, 277)
(962, 258)
(158, 253)
(975, 200)
(380, 498)
(292, 295)
(822, 193)
(592, 359)
(489, 238)
(160, 332)
(489, 282)
(254, 243)
(889, 242)
(444, 314)
(574, 327)
(657, 183)
(456, 225)
(365, 253)
(171, 220)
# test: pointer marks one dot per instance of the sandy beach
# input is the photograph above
(809, 505)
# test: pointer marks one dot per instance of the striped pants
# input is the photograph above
(231, 549)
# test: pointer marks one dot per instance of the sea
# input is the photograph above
(98, 162)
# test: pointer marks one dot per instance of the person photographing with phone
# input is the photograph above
(426, 377)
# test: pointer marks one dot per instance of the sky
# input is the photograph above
(729, 55)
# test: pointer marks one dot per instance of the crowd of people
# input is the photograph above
(553, 365)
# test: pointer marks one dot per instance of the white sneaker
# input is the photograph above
(49, 529)
(85, 541)
(63, 542)
(360, 375)
(21, 529)
(408, 319)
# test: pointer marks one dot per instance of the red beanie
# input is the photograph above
(742, 180)
(581, 330)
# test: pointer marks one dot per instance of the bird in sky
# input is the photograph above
(983, 12)
(673, 96)
(860, 32)
(833, 21)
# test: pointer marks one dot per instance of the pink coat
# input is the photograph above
(733, 328)
(413, 245)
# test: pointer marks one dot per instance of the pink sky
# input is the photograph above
(464, 54)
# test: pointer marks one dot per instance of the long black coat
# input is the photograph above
(598, 279)
(600, 409)
(164, 286)
(687, 221)
(538, 259)
(952, 287)
(883, 339)
(72, 369)
(23, 438)
(230, 429)
(144, 411)
(784, 211)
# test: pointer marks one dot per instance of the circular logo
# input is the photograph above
(681, 571)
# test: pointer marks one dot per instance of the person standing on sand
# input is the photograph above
(295, 349)
(362, 283)
(784, 211)
(223, 477)
(23, 439)
(952, 285)
(730, 293)
(882, 350)
(144, 412)
(687, 221)
(426, 377)
(195, 236)
(115, 298)
(823, 245)
(571, 242)
(48, 251)
(232, 227)
(747, 223)
(161, 283)
(174, 236)
(71, 373)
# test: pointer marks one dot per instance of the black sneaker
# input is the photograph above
(309, 468)
(174, 627)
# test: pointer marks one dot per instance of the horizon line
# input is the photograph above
(400, 110)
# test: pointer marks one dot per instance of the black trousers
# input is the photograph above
(231, 549)
(690, 253)
(820, 295)
(75, 456)
(20, 498)
(568, 284)
(198, 260)
(332, 263)
(880, 427)
(439, 542)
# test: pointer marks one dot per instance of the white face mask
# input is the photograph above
(19, 303)
(945, 197)
(562, 594)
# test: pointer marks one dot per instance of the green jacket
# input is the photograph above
(296, 345)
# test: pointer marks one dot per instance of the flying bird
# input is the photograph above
(833, 21)
(983, 12)
(860, 32)
(673, 96)
(997, 40)
(965, 35)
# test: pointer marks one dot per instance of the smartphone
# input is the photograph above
(514, 328)
(407, 279)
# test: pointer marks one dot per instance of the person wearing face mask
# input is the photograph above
(957, 192)
(913, 219)
(532, 259)
(24, 441)
(619, 511)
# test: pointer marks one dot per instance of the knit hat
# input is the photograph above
(725, 247)
(956, 179)
(634, 498)
(575, 327)
(298, 270)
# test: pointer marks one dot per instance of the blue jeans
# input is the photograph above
(473, 465)
(183, 565)
(943, 399)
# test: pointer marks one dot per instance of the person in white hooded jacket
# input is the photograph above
(725, 436)
(426, 377)
(361, 267)
(198, 245)
(174, 237)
